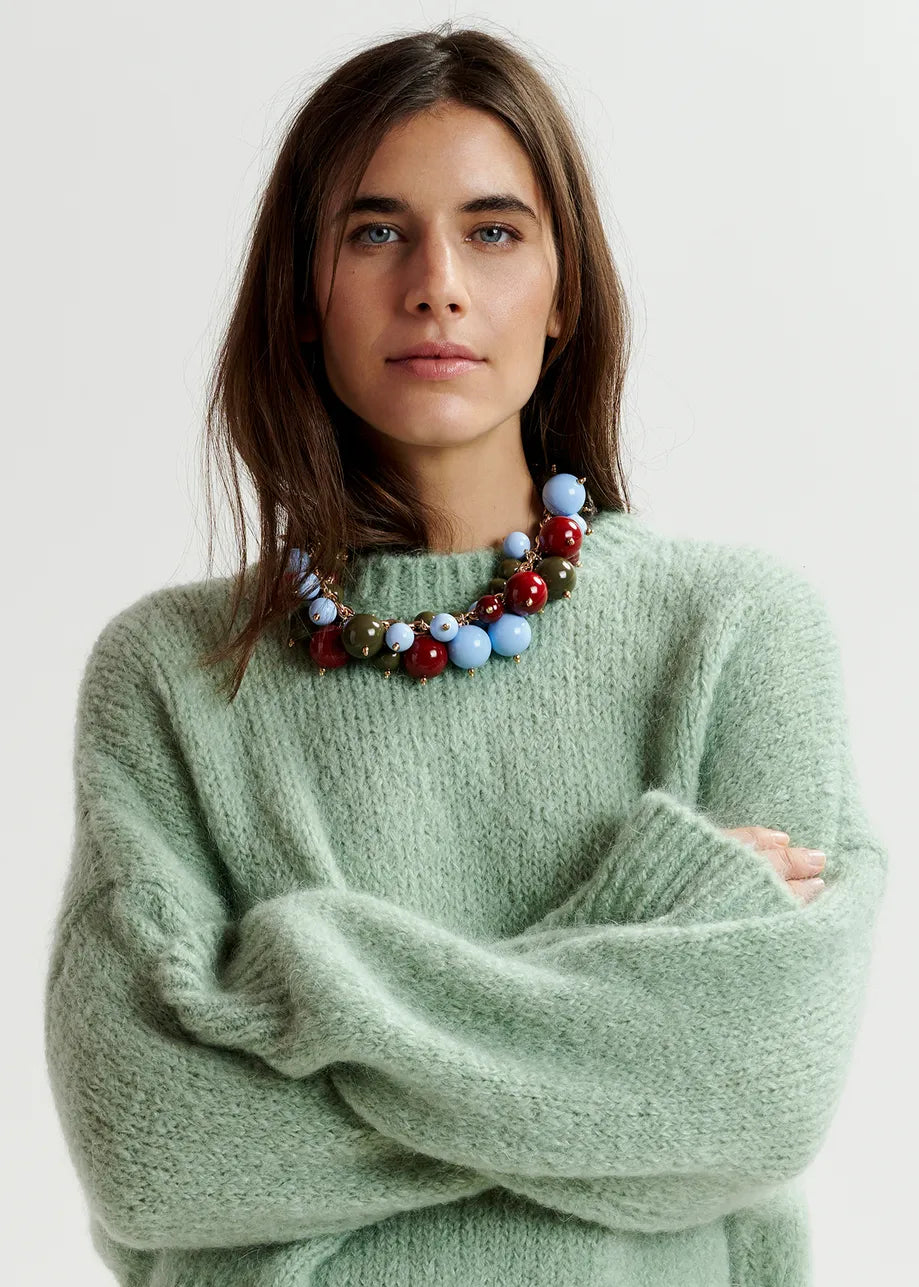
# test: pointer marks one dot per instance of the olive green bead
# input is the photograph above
(300, 627)
(507, 568)
(559, 575)
(496, 585)
(385, 659)
(426, 616)
(362, 635)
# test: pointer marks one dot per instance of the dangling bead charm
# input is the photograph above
(511, 635)
(426, 658)
(525, 592)
(326, 649)
(564, 494)
(362, 635)
(559, 575)
(560, 535)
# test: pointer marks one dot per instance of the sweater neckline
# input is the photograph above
(402, 583)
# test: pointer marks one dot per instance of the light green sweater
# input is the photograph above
(359, 982)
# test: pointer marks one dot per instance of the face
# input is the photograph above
(418, 267)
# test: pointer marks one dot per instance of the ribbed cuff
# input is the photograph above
(669, 860)
(248, 1014)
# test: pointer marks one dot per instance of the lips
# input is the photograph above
(436, 349)
(435, 368)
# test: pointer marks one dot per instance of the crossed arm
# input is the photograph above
(644, 1056)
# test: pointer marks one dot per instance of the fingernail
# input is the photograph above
(779, 835)
(816, 859)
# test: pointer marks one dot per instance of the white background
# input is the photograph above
(758, 170)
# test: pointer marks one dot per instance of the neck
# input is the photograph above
(483, 487)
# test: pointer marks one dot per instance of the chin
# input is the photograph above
(432, 427)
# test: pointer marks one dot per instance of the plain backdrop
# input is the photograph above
(757, 166)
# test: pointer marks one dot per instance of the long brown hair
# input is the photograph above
(319, 484)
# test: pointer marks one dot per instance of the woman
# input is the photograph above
(409, 962)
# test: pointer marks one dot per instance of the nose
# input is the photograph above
(435, 278)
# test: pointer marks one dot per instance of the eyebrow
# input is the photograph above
(492, 203)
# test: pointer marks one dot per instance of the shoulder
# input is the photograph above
(165, 629)
(765, 617)
(767, 589)
(711, 575)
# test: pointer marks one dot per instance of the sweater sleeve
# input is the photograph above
(179, 1144)
(668, 1046)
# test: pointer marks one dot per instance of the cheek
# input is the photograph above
(344, 309)
(518, 325)
(349, 327)
(522, 309)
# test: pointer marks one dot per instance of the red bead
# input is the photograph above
(327, 649)
(560, 535)
(488, 609)
(426, 658)
(525, 592)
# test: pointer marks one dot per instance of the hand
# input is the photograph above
(797, 866)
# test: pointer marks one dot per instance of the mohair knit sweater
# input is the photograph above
(363, 982)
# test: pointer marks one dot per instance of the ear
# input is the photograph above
(554, 325)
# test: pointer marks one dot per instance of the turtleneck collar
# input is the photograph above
(401, 584)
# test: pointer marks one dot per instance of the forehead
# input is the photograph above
(446, 155)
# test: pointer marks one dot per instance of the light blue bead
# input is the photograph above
(322, 611)
(516, 545)
(399, 637)
(309, 588)
(580, 520)
(510, 634)
(563, 494)
(470, 648)
(444, 627)
(297, 564)
(298, 561)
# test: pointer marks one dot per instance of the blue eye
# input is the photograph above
(373, 227)
(497, 227)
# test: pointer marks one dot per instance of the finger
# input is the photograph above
(790, 862)
(808, 861)
(782, 859)
(807, 890)
(760, 837)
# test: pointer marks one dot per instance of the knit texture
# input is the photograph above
(359, 982)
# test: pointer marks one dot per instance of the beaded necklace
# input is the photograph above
(496, 622)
